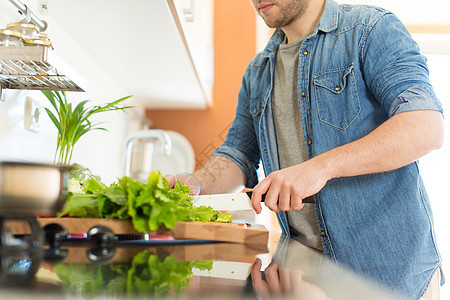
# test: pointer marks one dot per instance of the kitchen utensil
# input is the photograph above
(234, 201)
(37, 43)
(28, 30)
(221, 269)
(10, 38)
(32, 188)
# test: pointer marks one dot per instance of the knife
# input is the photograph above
(234, 201)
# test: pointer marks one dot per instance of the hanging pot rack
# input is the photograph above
(35, 68)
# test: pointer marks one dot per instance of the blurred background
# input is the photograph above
(183, 62)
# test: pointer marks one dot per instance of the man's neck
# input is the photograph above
(306, 23)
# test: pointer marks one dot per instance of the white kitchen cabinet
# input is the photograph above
(197, 21)
(141, 44)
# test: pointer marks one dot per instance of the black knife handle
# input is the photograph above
(306, 200)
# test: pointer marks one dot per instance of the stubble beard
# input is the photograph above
(293, 10)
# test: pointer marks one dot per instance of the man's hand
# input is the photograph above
(285, 189)
(283, 282)
(186, 179)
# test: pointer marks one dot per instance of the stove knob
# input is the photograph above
(102, 235)
(55, 255)
(100, 254)
(55, 234)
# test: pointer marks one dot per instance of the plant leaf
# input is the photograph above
(54, 119)
(51, 97)
(72, 121)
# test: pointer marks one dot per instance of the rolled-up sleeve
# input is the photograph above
(394, 69)
(415, 98)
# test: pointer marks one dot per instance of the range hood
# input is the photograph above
(35, 68)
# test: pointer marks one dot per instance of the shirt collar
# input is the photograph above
(329, 20)
(327, 23)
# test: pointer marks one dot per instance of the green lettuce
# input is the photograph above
(149, 205)
(146, 275)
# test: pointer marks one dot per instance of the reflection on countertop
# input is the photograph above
(307, 274)
(219, 270)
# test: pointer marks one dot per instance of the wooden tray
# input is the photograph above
(227, 232)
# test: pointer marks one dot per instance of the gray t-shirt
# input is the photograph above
(289, 133)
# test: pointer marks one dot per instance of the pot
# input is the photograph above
(32, 188)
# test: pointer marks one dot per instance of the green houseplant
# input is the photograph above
(73, 121)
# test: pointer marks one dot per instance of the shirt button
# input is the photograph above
(309, 141)
(337, 88)
(305, 52)
(323, 234)
(303, 95)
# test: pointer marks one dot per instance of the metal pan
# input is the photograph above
(32, 188)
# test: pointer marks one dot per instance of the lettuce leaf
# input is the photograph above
(81, 206)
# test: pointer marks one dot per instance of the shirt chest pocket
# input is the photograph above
(255, 104)
(336, 97)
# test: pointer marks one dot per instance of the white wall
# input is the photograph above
(435, 167)
(430, 12)
(98, 150)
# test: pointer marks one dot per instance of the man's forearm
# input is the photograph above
(399, 141)
(220, 175)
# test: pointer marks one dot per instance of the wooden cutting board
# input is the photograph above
(216, 251)
(227, 232)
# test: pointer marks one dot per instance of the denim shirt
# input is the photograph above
(358, 68)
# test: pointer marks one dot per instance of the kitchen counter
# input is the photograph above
(283, 268)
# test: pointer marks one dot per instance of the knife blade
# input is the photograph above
(233, 201)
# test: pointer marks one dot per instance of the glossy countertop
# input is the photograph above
(282, 268)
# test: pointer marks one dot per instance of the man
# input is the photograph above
(338, 107)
